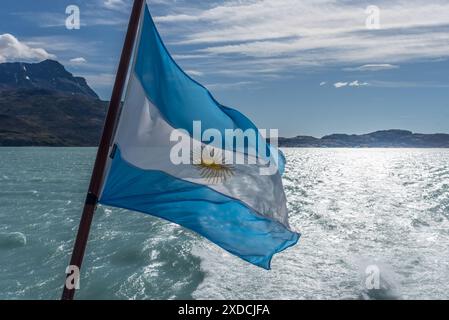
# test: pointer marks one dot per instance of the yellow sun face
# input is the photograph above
(211, 165)
(215, 173)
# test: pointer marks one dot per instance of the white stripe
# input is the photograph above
(143, 137)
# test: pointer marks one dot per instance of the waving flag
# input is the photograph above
(232, 205)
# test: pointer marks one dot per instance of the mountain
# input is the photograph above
(378, 139)
(42, 104)
(49, 75)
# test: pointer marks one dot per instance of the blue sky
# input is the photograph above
(304, 67)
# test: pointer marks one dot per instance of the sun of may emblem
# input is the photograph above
(211, 164)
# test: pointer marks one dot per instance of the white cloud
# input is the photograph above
(356, 83)
(340, 84)
(288, 33)
(194, 73)
(323, 83)
(225, 86)
(79, 60)
(373, 67)
(115, 4)
(11, 49)
(177, 18)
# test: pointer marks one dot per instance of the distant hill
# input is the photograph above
(49, 75)
(42, 104)
(378, 139)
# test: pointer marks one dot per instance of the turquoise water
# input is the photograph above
(354, 207)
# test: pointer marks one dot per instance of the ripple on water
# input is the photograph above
(12, 240)
(354, 208)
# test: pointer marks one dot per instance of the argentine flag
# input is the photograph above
(235, 205)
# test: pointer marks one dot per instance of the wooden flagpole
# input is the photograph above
(96, 180)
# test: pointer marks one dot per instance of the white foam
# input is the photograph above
(12, 240)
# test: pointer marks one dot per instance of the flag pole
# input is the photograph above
(105, 142)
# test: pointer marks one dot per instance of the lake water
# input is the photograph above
(359, 210)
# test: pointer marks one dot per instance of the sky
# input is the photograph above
(310, 67)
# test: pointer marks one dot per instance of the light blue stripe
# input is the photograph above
(227, 222)
(180, 99)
